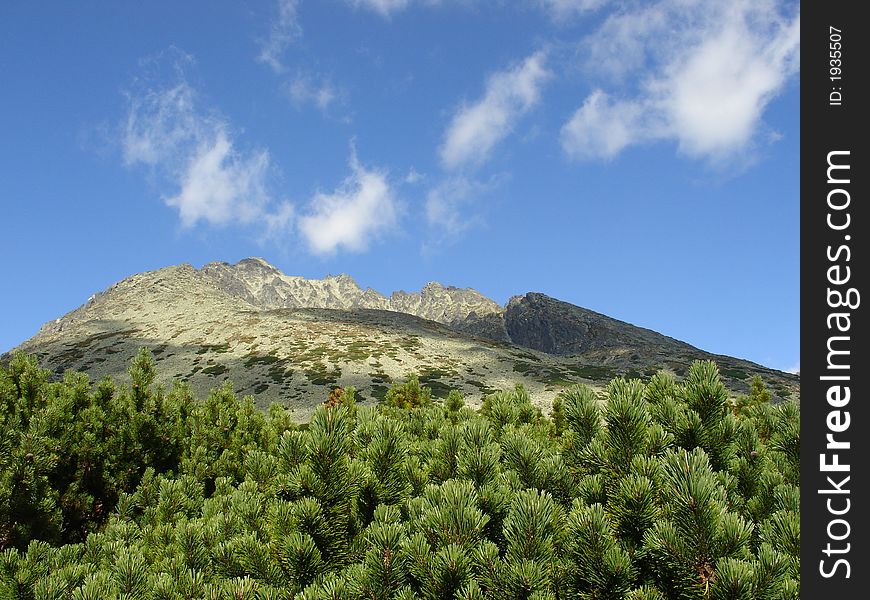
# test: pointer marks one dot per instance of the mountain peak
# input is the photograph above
(261, 283)
(343, 278)
(221, 321)
(256, 259)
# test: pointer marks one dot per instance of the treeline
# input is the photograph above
(661, 490)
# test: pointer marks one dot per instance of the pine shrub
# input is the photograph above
(658, 491)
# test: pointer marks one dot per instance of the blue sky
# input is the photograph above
(637, 158)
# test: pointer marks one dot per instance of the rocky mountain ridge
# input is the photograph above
(532, 320)
(289, 339)
(264, 285)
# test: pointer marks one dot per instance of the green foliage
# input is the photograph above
(409, 394)
(758, 396)
(557, 415)
(582, 413)
(758, 391)
(595, 563)
(455, 401)
(657, 492)
(73, 449)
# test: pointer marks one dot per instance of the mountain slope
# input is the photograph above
(289, 339)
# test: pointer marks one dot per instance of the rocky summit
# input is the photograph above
(290, 339)
(262, 284)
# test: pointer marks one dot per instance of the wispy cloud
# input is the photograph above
(363, 208)
(443, 203)
(602, 127)
(220, 185)
(303, 90)
(385, 8)
(279, 223)
(713, 66)
(796, 369)
(477, 128)
(474, 131)
(414, 176)
(558, 10)
(564, 10)
(446, 204)
(191, 151)
(284, 28)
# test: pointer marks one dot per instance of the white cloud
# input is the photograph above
(443, 203)
(159, 122)
(477, 128)
(601, 128)
(796, 369)
(446, 204)
(563, 10)
(191, 150)
(473, 133)
(302, 90)
(279, 223)
(385, 8)
(218, 185)
(713, 69)
(361, 209)
(558, 10)
(283, 30)
(414, 176)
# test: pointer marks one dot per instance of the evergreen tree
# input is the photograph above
(409, 394)
(557, 416)
(658, 491)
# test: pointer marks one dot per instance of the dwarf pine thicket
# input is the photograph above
(661, 490)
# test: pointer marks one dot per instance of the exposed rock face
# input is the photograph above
(490, 326)
(444, 304)
(288, 339)
(533, 321)
(260, 283)
(555, 327)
